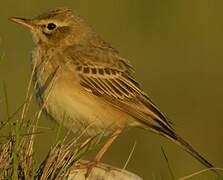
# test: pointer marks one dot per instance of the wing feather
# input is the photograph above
(106, 74)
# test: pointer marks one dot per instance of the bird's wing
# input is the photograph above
(106, 74)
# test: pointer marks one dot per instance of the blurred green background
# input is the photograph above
(176, 49)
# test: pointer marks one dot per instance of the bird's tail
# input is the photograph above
(162, 126)
(188, 148)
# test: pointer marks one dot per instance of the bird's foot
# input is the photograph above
(88, 165)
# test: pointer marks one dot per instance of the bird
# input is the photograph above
(84, 83)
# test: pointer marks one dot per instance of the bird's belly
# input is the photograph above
(78, 109)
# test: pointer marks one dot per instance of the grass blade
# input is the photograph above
(168, 164)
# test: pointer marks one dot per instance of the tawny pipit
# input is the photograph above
(82, 81)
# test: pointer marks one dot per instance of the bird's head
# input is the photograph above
(56, 27)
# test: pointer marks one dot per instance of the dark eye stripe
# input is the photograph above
(47, 34)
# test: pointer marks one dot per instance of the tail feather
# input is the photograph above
(187, 147)
(155, 121)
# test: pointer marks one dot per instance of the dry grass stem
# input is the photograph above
(199, 173)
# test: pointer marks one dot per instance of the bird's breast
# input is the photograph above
(59, 91)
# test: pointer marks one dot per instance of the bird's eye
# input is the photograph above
(51, 26)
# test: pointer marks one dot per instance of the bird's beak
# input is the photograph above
(25, 22)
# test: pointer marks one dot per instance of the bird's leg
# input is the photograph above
(102, 151)
(106, 146)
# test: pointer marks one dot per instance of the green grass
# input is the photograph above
(168, 164)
